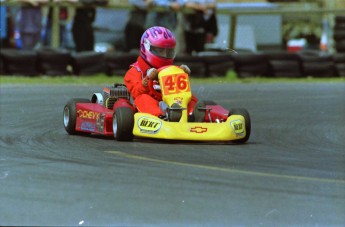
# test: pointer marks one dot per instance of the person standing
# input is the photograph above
(3, 16)
(82, 30)
(167, 16)
(63, 17)
(136, 23)
(29, 22)
(195, 23)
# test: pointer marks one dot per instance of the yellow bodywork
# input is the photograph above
(146, 125)
(175, 88)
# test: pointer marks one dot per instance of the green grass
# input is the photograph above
(59, 80)
(102, 79)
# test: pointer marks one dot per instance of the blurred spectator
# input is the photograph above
(211, 22)
(10, 29)
(3, 23)
(63, 16)
(166, 17)
(198, 23)
(29, 23)
(135, 26)
(83, 33)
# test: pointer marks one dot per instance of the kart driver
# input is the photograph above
(157, 49)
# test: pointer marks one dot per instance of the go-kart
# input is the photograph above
(112, 113)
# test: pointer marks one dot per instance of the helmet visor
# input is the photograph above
(163, 52)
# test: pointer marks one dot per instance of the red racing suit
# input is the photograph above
(143, 99)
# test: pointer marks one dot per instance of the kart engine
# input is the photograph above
(110, 95)
(115, 93)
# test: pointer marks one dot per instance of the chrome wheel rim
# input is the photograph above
(66, 117)
(114, 126)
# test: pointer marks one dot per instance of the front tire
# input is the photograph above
(70, 115)
(243, 112)
(123, 123)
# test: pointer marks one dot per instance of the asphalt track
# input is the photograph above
(290, 173)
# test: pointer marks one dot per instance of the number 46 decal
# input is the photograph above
(174, 84)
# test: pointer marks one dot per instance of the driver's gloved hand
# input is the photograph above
(145, 81)
(186, 69)
(152, 74)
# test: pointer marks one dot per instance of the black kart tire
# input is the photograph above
(340, 46)
(117, 63)
(217, 63)
(70, 116)
(285, 68)
(250, 65)
(88, 63)
(53, 62)
(123, 123)
(195, 63)
(243, 112)
(340, 19)
(20, 62)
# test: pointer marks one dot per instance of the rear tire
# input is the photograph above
(70, 116)
(123, 123)
(243, 112)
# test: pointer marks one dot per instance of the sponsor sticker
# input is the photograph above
(198, 129)
(178, 100)
(87, 114)
(149, 125)
(87, 126)
(237, 125)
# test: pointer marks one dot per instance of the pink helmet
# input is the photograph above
(157, 46)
